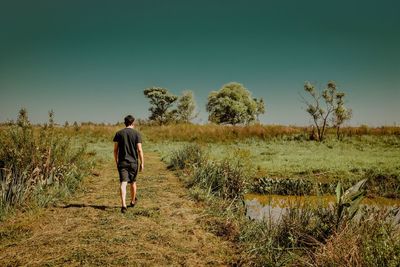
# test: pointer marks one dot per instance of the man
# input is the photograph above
(127, 151)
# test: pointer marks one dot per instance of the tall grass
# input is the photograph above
(228, 178)
(343, 234)
(306, 236)
(191, 156)
(35, 160)
(224, 133)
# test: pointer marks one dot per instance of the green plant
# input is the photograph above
(37, 159)
(233, 104)
(161, 100)
(266, 185)
(348, 202)
(185, 108)
(190, 156)
(373, 241)
(228, 178)
(333, 108)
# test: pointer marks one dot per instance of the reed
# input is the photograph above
(35, 159)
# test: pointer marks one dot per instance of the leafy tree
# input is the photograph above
(325, 105)
(233, 104)
(186, 107)
(161, 101)
(341, 113)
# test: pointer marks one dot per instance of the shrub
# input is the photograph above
(35, 159)
(373, 241)
(307, 236)
(267, 185)
(228, 178)
(190, 156)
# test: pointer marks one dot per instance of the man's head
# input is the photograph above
(128, 120)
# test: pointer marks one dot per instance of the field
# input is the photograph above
(195, 206)
(348, 160)
(332, 160)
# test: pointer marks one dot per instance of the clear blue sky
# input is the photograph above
(90, 60)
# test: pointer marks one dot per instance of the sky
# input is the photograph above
(90, 60)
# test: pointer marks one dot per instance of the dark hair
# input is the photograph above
(129, 120)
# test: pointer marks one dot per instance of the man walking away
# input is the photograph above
(127, 153)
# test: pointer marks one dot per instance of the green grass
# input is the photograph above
(306, 234)
(319, 165)
(351, 159)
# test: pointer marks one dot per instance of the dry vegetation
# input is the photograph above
(166, 228)
(88, 229)
(306, 235)
(219, 133)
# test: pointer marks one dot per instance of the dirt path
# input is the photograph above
(162, 230)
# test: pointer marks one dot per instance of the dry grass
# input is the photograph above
(218, 133)
(227, 133)
(335, 253)
(163, 229)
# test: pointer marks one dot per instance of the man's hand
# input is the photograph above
(140, 152)
(116, 153)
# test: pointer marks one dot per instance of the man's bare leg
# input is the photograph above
(122, 191)
(133, 192)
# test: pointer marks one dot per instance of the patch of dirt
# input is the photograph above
(162, 229)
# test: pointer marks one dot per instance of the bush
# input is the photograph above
(190, 156)
(267, 185)
(306, 236)
(228, 178)
(373, 241)
(35, 159)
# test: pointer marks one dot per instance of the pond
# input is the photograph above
(272, 207)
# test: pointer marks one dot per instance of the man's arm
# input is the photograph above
(140, 152)
(116, 153)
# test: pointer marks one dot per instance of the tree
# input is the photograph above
(161, 101)
(331, 107)
(23, 120)
(341, 113)
(76, 126)
(233, 104)
(186, 107)
(260, 107)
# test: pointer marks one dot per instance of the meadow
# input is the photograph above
(280, 154)
(307, 233)
(219, 165)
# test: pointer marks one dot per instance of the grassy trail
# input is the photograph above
(163, 229)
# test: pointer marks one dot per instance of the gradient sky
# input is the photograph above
(91, 60)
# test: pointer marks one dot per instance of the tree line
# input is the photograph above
(234, 104)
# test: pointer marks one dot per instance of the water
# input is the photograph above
(272, 207)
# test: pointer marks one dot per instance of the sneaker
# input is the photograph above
(133, 204)
(123, 209)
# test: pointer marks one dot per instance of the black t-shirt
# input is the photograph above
(127, 139)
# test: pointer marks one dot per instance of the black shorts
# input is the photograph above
(127, 171)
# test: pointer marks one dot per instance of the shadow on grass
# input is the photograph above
(99, 207)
